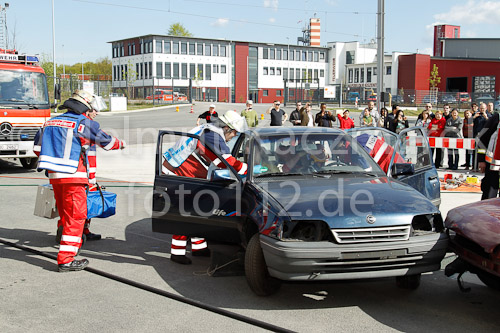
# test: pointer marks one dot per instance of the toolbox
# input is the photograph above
(45, 205)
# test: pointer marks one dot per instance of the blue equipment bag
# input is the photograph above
(100, 203)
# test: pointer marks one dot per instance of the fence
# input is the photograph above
(101, 84)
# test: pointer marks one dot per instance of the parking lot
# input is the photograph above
(35, 297)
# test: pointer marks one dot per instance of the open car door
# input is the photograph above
(195, 207)
(413, 147)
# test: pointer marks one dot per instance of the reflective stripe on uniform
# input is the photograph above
(68, 248)
(71, 239)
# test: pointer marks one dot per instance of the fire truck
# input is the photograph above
(24, 105)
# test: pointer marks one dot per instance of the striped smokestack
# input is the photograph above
(314, 29)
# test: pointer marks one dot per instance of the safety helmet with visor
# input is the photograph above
(234, 121)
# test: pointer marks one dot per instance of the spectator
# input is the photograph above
(324, 118)
(436, 128)
(250, 114)
(474, 108)
(345, 121)
(488, 157)
(278, 116)
(383, 116)
(400, 122)
(367, 119)
(453, 129)
(491, 108)
(389, 120)
(428, 108)
(295, 115)
(480, 118)
(446, 111)
(207, 115)
(423, 119)
(467, 132)
(306, 117)
(373, 113)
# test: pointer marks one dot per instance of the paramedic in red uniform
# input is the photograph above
(216, 134)
(62, 146)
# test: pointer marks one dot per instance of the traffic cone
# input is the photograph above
(261, 116)
(191, 109)
(176, 109)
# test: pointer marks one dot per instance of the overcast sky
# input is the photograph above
(83, 27)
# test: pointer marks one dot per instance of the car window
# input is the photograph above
(414, 149)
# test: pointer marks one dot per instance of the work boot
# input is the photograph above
(59, 234)
(201, 253)
(183, 260)
(91, 236)
(75, 265)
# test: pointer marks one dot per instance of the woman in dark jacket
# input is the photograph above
(400, 122)
(453, 129)
(467, 132)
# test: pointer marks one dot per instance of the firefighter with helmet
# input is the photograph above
(61, 146)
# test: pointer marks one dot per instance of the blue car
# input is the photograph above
(314, 206)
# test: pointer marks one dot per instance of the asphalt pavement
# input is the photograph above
(36, 298)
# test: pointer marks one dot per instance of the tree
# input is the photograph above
(435, 79)
(177, 29)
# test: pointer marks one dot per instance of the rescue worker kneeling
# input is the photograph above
(60, 145)
(190, 158)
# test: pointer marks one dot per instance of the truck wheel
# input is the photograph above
(256, 272)
(490, 280)
(410, 282)
(29, 162)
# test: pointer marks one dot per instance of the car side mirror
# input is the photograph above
(399, 169)
(57, 91)
(221, 175)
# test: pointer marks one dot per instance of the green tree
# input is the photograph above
(177, 29)
(434, 79)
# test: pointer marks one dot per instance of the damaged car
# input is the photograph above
(313, 206)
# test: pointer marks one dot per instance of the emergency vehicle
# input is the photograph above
(24, 105)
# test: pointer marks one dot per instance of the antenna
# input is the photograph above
(4, 38)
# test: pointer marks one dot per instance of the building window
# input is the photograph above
(151, 65)
(207, 50)
(192, 71)
(291, 55)
(158, 47)
(362, 75)
(297, 55)
(215, 50)
(388, 70)
(316, 74)
(271, 71)
(316, 56)
(168, 70)
(137, 71)
(374, 71)
(356, 75)
(350, 75)
(321, 73)
(159, 69)
(200, 71)
(176, 70)
(223, 69)
(278, 71)
(222, 51)
(291, 92)
(145, 70)
(285, 73)
(191, 48)
(265, 71)
(265, 93)
(304, 74)
(142, 71)
(272, 53)
(292, 72)
(122, 48)
(133, 49)
(199, 49)
(175, 47)
(297, 74)
(215, 68)
(309, 56)
(349, 57)
(184, 48)
(184, 71)
(285, 54)
(304, 55)
(309, 75)
(278, 54)
(369, 75)
(455, 33)
(322, 56)
(208, 72)
(278, 93)
(167, 47)
(150, 47)
(265, 53)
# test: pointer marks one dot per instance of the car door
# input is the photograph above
(413, 147)
(195, 206)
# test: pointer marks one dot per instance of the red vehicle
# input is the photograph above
(464, 97)
(24, 105)
(372, 98)
(162, 94)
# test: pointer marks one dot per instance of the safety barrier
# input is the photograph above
(454, 143)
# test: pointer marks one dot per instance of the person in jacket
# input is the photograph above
(250, 114)
(207, 115)
(192, 158)
(390, 119)
(435, 129)
(295, 115)
(488, 157)
(400, 122)
(423, 119)
(467, 132)
(62, 146)
(345, 121)
(480, 118)
(306, 116)
(278, 116)
(383, 116)
(324, 118)
(373, 114)
(367, 119)
(453, 129)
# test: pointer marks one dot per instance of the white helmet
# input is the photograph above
(232, 119)
(84, 97)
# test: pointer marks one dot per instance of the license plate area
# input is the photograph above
(8, 147)
(389, 254)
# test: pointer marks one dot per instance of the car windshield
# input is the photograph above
(310, 154)
(23, 88)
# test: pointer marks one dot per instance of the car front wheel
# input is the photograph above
(29, 162)
(490, 280)
(410, 282)
(256, 272)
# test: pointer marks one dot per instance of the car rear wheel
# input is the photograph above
(410, 282)
(29, 162)
(256, 272)
(490, 280)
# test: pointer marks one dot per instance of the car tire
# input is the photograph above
(410, 282)
(490, 280)
(29, 162)
(256, 272)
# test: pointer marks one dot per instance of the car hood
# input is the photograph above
(345, 202)
(477, 221)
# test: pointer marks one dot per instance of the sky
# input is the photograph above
(83, 28)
